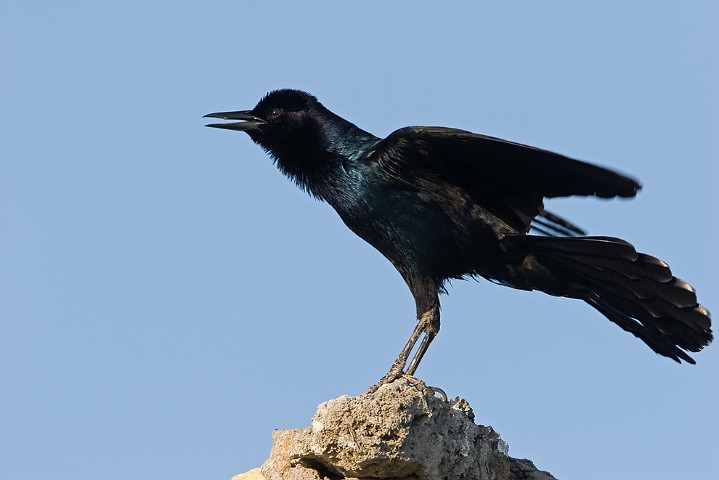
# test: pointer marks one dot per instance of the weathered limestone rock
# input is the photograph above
(253, 474)
(400, 431)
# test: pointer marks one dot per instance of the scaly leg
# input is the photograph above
(430, 324)
(427, 324)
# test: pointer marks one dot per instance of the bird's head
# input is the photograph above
(305, 139)
(283, 122)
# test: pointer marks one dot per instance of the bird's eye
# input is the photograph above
(275, 113)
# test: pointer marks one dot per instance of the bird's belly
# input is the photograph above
(410, 229)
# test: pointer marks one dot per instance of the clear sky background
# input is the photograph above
(167, 298)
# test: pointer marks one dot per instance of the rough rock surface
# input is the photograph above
(254, 474)
(400, 431)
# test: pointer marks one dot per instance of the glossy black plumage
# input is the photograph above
(443, 203)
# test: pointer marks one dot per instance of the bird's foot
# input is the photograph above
(436, 390)
(394, 374)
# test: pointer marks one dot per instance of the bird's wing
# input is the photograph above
(508, 178)
(553, 225)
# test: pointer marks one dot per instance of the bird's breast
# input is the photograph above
(406, 226)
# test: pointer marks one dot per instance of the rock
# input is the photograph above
(253, 474)
(402, 430)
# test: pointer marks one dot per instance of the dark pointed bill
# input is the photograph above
(248, 121)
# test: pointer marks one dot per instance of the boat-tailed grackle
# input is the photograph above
(441, 203)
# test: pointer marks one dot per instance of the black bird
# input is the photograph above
(441, 203)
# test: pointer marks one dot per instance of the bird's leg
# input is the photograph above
(429, 321)
(398, 366)
(425, 292)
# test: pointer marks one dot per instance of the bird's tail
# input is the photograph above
(636, 291)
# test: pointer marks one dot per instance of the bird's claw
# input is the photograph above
(394, 375)
(436, 390)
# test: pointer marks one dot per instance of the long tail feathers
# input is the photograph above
(636, 291)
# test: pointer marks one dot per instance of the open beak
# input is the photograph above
(248, 121)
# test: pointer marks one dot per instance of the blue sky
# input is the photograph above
(167, 298)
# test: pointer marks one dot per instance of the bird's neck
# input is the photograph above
(324, 154)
